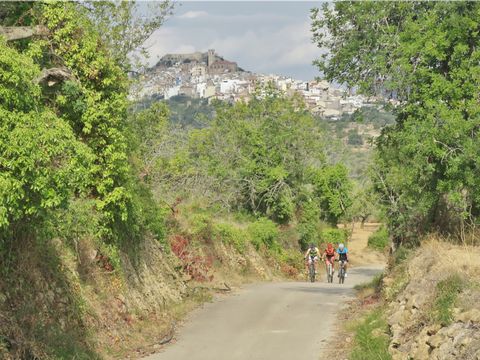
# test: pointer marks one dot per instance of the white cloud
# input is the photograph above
(167, 40)
(268, 50)
(193, 14)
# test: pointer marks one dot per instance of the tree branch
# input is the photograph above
(13, 33)
(53, 76)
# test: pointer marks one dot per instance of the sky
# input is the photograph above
(264, 37)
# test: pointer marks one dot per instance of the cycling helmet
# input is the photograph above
(341, 246)
(312, 245)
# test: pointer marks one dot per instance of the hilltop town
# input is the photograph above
(209, 76)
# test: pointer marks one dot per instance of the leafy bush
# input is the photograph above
(232, 235)
(379, 240)
(202, 227)
(292, 258)
(334, 236)
(333, 187)
(264, 232)
(282, 209)
(109, 257)
(194, 264)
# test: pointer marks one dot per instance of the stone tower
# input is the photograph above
(211, 57)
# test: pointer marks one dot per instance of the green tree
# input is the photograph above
(60, 76)
(333, 189)
(354, 138)
(262, 149)
(42, 162)
(124, 27)
(257, 156)
(425, 54)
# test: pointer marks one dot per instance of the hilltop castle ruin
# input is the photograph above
(208, 62)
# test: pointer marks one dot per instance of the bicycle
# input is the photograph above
(311, 270)
(341, 271)
(329, 272)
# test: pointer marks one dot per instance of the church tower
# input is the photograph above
(211, 57)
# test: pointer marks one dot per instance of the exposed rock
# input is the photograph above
(414, 333)
(399, 317)
(415, 301)
(432, 329)
(422, 351)
(472, 315)
(436, 340)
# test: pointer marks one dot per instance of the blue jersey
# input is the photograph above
(342, 254)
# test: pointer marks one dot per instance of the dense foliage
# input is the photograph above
(64, 131)
(266, 156)
(425, 55)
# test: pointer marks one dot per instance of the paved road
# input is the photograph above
(281, 321)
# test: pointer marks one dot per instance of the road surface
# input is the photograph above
(280, 321)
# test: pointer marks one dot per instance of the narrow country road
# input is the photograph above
(281, 321)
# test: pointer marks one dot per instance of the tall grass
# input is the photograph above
(371, 340)
(447, 292)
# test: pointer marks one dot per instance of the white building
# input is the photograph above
(171, 92)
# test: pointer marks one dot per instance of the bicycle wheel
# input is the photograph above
(312, 272)
(329, 273)
(341, 278)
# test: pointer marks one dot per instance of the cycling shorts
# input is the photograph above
(330, 259)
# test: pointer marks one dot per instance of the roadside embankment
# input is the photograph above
(84, 300)
(433, 309)
(425, 306)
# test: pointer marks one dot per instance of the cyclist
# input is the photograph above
(342, 252)
(329, 257)
(312, 255)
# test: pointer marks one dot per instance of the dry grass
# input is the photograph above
(447, 258)
(360, 253)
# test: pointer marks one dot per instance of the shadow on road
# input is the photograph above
(369, 272)
(340, 290)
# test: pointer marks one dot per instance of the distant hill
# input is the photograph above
(208, 58)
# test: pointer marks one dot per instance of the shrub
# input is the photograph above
(334, 236)
(109, 257)
(292, 258)
(231, 235)
(202, 227)
(354, 138)
(264, 232)
(289, 270)
(379, 240)
(283, 209)
(193, 264)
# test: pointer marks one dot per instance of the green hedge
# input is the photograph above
(231, 235)
(379, 240)
(264, 232)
